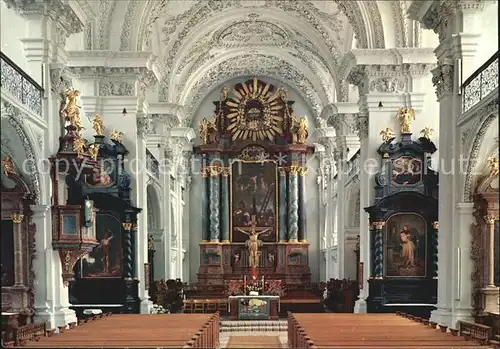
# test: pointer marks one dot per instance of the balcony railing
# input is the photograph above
(480, 84)
(20, 85)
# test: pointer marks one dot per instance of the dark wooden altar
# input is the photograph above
(404, 229)
(253, 156)
(106, 275)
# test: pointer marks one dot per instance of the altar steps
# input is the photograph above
(253, 326)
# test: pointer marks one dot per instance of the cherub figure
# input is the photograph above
(405, 117)
(97, 125)
(94, 151)
(387, 134)
(282, 93)
(71, 111)
(300, 134)
(116, 136)
(79, 146)
(8, 166)
(205, 128)
(493, 165)
(427, 132)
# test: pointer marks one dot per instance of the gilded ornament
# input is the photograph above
(224, 92)
(294, 170)
(435, 225)
(255, 113)
(427, 132)
(116, 136)
(94, 151)
(405, 117)
(214, 171)
(299, 130)
(8, 166)
(127, 226)
(206, 128)
(71, 111)
(490, 219)
(302, 171)
(492, 163)
(79, 146)
(282, 171)
(97, 125)
(17, 218)
(387, 134)
(378, 225)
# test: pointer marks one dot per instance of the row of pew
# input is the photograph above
(373, 331)
(144, 331)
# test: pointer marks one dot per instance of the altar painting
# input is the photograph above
(253, 184)
(406, 170)
(105, 259)
(406, 246)
(253, 309)
(7, 240)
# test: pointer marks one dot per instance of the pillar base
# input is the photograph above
(442, 316)
(491, 298)
(360, 306)
(460, 315)
(61, 317)
(146, 306)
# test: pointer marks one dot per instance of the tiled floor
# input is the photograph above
(280, 337)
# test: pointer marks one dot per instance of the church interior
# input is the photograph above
(250, 174)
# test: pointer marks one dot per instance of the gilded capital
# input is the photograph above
(282, 171)
(490, 219)
(435, 225)
(378, 225)
(127, 226)
(294, 170)
(17, 218)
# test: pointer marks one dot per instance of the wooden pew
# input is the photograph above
(367, 331)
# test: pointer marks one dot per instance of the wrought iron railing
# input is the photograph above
(20, 85)
(480, 84)
(152, 164)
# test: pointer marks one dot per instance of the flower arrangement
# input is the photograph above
(274, 288)
(234, 288)
(254, 287)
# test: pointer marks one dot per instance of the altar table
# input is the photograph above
(254, 307)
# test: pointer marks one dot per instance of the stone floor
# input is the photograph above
(225, 336)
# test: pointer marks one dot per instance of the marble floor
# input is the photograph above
(246, 342)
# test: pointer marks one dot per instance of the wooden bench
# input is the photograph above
(367, 331)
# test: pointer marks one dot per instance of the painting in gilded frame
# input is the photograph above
(104, 177)
(406, 246)
(406, 170)
(254, 184)
(105, 260)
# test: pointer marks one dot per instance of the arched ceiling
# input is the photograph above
(201, 43)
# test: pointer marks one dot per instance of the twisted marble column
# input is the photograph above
(302, 204)
(128, 263)
(225, 205)
(214, 204)
(434, 244)
(293, 205)
(205, 208)
(378, 250)
(17, 219)
(283, 204)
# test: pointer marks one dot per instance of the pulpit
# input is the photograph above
(254, 307)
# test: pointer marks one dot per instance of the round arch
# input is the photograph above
(153, 202)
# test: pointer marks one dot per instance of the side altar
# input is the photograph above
(253, 157)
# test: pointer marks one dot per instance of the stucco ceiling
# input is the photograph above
(200, 44)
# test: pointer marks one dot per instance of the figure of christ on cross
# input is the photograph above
(253, 244)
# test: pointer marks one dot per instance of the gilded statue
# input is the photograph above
(283, 94)
(387, 134)
(224, 93)
(71, 111)
(116, 136)
(205, 128)
(405, 117)
(493, 165)
(8, 166)
(427, 132)
(94, 151)
(253, 242)
(299, 130)
(97, 125)
(79, 146)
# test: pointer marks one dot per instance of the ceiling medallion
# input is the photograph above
(255, 111)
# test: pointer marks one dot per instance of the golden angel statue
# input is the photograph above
(427, 132)
(387, 134)
(94, 151)
(8, 166)
(205, 128)
(253, 243)
(79, 146)
(116, 136)
(493, 165)
(224, 93)
(71, 111)
(97, 125)
(405, 117)
(300, 130)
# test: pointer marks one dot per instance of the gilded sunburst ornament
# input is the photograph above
(255, 112)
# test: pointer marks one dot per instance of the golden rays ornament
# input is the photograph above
(255, 112)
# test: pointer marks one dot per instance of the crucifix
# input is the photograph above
(253, 242)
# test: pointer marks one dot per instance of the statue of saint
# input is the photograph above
(71, 111)
(405, 117)
(79, 146)
(94, 151)
(300, 130)
(8, 166)
(253, 243)
(205, 128)
(97, 125)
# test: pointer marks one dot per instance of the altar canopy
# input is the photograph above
(253, 156)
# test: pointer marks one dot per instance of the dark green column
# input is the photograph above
(302, 204)
(225, 205)
(214, 182)
(282, 204)
(205, 210)
(293, 205)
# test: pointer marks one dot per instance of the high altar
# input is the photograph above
(253, 156)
